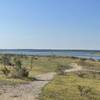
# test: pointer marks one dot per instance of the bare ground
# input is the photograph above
(29, 91)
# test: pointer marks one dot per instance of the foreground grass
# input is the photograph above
(72, 87)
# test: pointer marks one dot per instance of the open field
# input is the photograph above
(77, 83)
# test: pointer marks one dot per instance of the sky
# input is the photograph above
(50, 24)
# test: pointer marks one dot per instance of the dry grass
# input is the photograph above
(72, 87)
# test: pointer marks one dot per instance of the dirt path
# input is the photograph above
(26, 91)
(32, 90)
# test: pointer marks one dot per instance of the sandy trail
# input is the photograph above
(32, 90)
(29, 91)
(74, 68)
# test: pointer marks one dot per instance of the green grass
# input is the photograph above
(68, 88)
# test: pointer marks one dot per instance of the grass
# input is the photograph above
(88, 64)
(74, 86)
(39, 65)
(45, 64)
(71, 87)
(11, 81)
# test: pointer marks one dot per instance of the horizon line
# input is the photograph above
(49, 49)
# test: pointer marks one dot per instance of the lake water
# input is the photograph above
(75, 53)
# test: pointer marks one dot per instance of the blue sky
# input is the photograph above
(50, 24)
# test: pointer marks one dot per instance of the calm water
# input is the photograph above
(75, 53)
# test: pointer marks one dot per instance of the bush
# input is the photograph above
(5, 71)
(5, 60)
(84, 91)
(22, 73)
(19, 72)
(18, 65)
(61, 69)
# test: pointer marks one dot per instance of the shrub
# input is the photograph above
(22, 73)
(84, 91)
(5, 71)
(18, 65)
(61, 69)
(5, 60)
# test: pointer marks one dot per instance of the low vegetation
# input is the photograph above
(25, 67)
(83, 85)
(72, 87)
(89, 64)
(61, 69)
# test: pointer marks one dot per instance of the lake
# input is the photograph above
(95, 54)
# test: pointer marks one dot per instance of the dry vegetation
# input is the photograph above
(73, 86)
(83, 85)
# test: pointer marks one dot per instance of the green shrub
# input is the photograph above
(18, 64)
(19, 72)
(5, 71)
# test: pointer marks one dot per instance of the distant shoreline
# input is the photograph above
(54, 56)
(87, 54)
(50, 50)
